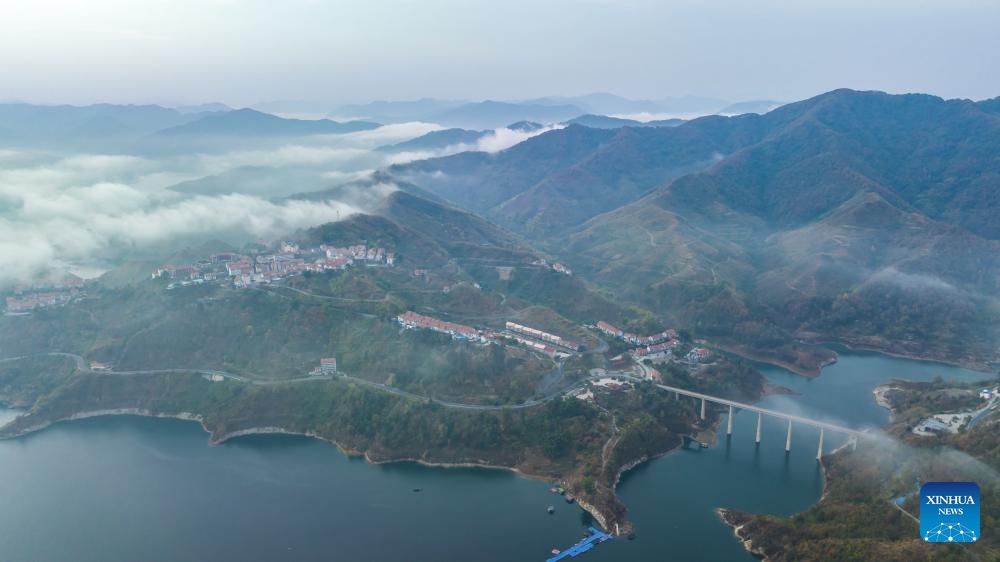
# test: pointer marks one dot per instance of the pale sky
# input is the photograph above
(246, 51)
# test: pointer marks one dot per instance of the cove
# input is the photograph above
(126, 488)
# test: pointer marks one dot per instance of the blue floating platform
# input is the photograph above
(589, 542)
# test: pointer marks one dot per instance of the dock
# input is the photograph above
(589, 542)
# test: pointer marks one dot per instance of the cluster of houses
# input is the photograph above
(697, 355)
(557, 267)
(519, 330)
(286, 261)
(636, 339)
(55, 291)
(531, 338)
(359, 252)
(412, 320)
(663, 350)
(40, 299)
(655, 346)
(532, 344)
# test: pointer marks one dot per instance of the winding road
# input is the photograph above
(82, 366)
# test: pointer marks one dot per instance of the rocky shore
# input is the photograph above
(28, 429)
(880, 393)
(812, 370)
(738, 521)
(604, 518)
(973, 363)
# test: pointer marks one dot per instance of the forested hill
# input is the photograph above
(859, 216)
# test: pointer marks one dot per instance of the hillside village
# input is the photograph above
(41, 299)
(532, 338)
(657, 347)
(47, 294)
(280, 260)
(654, 347)
(557, 267)
(284, 260)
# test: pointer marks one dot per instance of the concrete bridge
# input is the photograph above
(853, 434)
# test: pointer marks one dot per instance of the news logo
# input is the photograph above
(949, 512)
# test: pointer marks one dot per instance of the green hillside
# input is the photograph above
(862, 217)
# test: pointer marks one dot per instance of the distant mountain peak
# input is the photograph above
(250, 122)
(525, 126)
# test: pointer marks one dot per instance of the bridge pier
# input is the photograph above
(853, 435)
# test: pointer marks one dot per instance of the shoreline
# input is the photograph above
(737, 520)
(810, 373)
(973, 366)
(219, 439)
(137, 412)
(216, 438)
(978, 365)
(596, 513)
(880, 391)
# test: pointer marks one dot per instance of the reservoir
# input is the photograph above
(126, 488)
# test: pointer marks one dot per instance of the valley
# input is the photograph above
(525, 308)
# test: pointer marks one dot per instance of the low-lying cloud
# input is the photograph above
(910, 281)
(81, 224)
(646, 116)
(62, 211)
(80, 209)
(385, 134)
(495, 141)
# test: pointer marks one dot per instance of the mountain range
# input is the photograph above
(250, 122)
(469, 114)
(607, 122)
(127, 128)
(131, 128)
(859, 216)
(24, 124)
(466, 139)
(435, 140)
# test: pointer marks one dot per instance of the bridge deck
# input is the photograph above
(765, 411)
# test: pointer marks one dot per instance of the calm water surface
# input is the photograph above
(109, 489)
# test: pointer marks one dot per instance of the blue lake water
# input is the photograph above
(125, 488)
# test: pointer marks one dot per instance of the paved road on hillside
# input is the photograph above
(82, 366)
(463, 406)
